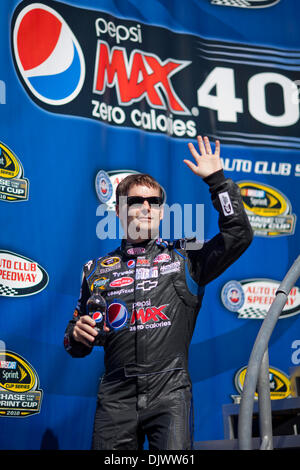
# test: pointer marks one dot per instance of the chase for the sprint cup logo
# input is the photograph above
(118, 72)
(13, 186)
(20, 393)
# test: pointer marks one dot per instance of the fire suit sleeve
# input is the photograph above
(216, 255)
(73, 347)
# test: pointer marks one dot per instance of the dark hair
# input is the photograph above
(136, 179)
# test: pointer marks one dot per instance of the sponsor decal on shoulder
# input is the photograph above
(226, 203)
(280, 385)
(162, 258)
(252, 298)
(20, 276)
(131, 264)
(89, 265)
(269, 211)
(170, 268)
(13, 185)
(110, 262)
(20, 395)
(100, 283)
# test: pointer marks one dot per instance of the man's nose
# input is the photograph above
(146, 206)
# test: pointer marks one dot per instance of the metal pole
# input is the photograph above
(264, 404)
(259, 348)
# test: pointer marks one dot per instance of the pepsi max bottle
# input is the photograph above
(96, 307)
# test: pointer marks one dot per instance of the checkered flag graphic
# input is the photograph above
(232, 3)
(251, 312)
(7, 291)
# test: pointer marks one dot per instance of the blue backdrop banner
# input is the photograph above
(93, 90)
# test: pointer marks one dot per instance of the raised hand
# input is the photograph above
(206, 161)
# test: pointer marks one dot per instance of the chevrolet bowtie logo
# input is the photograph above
(146, 285)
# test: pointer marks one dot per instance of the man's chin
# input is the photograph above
(144, 231)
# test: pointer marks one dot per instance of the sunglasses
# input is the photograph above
(139, 200)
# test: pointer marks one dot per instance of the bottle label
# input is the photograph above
(97, 316)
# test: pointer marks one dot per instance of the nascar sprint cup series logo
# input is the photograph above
(124, 73)
(269, 211)
(13, 185)
(280, 384)
(20, 394)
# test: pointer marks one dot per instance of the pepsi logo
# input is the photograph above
(48, 55)
(117, 315)
(97, 316)
(131, 263)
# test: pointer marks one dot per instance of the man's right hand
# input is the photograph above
(84, 330)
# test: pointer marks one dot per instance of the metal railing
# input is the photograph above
(257, 375)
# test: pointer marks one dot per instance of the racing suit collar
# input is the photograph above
(133, 250)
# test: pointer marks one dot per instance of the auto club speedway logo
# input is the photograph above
(115, 71)
(20, 276)
(252, 298)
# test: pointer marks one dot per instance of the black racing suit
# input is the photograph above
(154, 292)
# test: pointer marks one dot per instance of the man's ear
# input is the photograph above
(117, 211)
